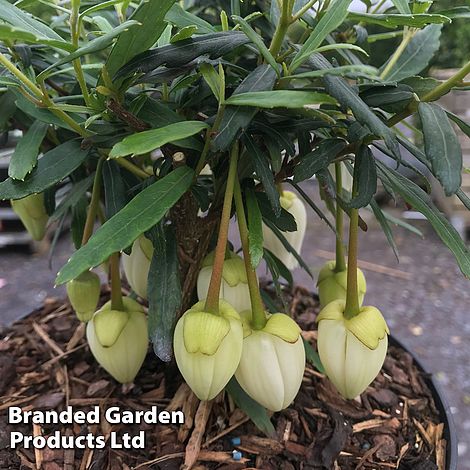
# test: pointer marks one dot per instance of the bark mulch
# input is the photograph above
(45, 364)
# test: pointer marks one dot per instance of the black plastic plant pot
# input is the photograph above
(450, 432)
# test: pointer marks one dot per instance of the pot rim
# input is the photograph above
(450, 431)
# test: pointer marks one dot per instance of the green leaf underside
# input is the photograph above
(280, 99)
(142, 212)
(164, 291)
(144, 142)
(365, 175)
(26, 152)
(53, 167)
(422, 202)
(442, 146)
(253, 409)
(255, 228)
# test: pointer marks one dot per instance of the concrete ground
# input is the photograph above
(425, 299)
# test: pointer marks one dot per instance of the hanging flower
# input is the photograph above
(352, 351)
(84, 294)
(273, 361)
(208, 348)
(332, 285)
(137, 265)
(234, 285)
(292, 204)
(32, 212)
(119, 339)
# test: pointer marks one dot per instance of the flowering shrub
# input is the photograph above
(159, 120)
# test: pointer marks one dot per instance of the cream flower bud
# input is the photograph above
(32, 212)
(119, 339)
(234, 286)
(208, 348)
(351, 351)
(84, 294)
(332, 285)
(273, 361)
(292, 204)
(137, 265)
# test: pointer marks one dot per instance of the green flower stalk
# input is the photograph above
(208, 348)
(332, 285)
(119, 339)
(234, 285)
(292, 204)
(352, 351)
(84, 293)
(32, 212)
(272, 363)
(137, 265)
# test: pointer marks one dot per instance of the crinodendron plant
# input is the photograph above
(161, 120)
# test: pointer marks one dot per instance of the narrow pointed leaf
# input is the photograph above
(26, 152)
(442, 146)
(279, 99)
(144, 142)
(365, 175)
(255, 227)
(53, 167)
(142, 212)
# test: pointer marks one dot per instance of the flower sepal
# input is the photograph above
(137, 265)
(32, 212)
(84, 293)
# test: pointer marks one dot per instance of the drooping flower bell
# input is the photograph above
(332, 285)
(84, 294)
(234, 285)
(137, 265)
(273, 361)
(208, 348)
(32, 212)
(292, 204)
(119, 339)
(352, 351)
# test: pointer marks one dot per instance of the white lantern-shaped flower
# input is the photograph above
(273, 361)
(292, 204)
(352, 351)
(234, 285)
(208, 348)
(137, 265)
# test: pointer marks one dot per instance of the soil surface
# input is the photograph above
(425, 303)
(46, 364)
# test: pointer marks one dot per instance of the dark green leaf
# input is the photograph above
(77, 226)
(255, 228)
(312, 357)
(442, 146)
(143, 212)
(422, 202)
(417, 54)
(356, 69)
(456, 12)
(237, 118)
(393, 20)
(98, 44)
(421, 85)
(175, 55)
(348, 97)
(390, 98)
(164, 291)
(318, 159)
(144, 142)
(464, 127)
(151, 13)
(12, 33)
(26, 153)
(285, 222)
(263, 171)
(331, 20)
(53, 167)
(279, 99)
(277, 268)
(115, 193)
(365, 176)
(253, 409)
